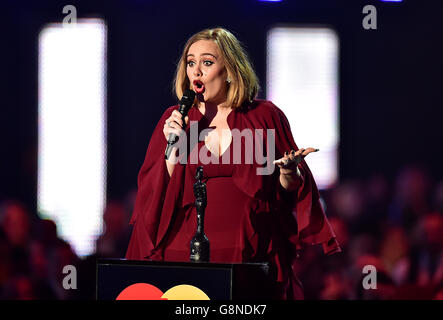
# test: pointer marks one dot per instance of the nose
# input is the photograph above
(197, 71)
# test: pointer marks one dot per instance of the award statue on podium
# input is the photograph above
(200, 242)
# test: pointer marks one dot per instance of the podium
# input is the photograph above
(219, 281)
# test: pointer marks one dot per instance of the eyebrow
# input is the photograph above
(203, 54)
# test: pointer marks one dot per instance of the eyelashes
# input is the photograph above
(206, 63)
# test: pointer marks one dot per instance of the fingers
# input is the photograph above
(175, 121)
(176, 117)
(286, 160)
(309, 150)
(293, 157)
(176, 114)
(280, 162)
(173, 129)
(303, 152)
(173, 124)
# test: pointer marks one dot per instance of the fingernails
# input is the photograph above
(317, 150)
(286, 153)
(292, 152)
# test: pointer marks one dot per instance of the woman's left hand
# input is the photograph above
(288, 164)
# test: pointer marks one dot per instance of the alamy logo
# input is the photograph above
(70, 280)
(370, 280)
(370, 20)
(71, 18)
(253, 149)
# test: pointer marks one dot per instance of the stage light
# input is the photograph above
(72, 130)
(302, 80)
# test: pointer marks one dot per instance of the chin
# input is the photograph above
(204, 98)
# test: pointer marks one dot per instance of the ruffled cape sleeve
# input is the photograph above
(303, 220)
(153, 181)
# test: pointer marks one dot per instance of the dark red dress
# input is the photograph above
(226, 217)
(248, 218)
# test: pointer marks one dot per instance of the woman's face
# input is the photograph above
(206, 71)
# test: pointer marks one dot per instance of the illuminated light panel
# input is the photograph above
(72, 130)
(302, 80)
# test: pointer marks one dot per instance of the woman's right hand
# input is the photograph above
(174, 124)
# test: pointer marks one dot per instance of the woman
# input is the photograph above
(249, 217)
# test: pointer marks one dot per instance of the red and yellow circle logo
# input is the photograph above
(146, 291)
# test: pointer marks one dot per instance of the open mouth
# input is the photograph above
(199, 87)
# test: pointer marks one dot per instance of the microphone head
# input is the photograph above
(186, 101)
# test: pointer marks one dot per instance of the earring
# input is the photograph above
(228, 81)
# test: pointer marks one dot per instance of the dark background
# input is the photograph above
(391, 78)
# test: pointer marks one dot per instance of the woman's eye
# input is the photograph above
(191, 63)
(208, 62)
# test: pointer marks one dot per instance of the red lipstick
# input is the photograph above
(199, 86)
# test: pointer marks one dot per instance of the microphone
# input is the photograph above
(184, 105)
